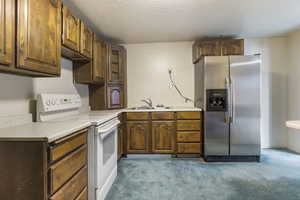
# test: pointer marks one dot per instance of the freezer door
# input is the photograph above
(216, 134)
(216, 127)
(245, 86)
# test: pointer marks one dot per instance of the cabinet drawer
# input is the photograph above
(189, 136)
(189, 148)
(66, 168)
(67, 145)
(137, 116)
(188, 115)
(162, 115)
(83, 195)
(188, 125)
(74, 188)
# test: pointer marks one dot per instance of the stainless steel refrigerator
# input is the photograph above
(228, 88)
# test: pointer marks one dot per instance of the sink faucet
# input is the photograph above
(148, 102)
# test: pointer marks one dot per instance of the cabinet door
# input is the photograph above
(138, 137)
(39, 35)
(7, 32)
(120, 141)
(232, 47)
(86, 40)
(115, 71)
(163, 137)
(71, 30)
(115, 97)
(99, 63)
(209, 48)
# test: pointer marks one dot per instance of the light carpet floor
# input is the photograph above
(277, 177)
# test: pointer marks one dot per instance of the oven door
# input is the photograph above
(106, 156)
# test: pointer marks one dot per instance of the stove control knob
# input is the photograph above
(48, 102)
(53, 102)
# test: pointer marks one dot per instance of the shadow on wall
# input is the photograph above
(277, 109)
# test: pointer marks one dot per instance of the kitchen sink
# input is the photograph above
(142, 108)
(149, 108)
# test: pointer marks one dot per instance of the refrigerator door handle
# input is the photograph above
(232, 101)
(229, 100)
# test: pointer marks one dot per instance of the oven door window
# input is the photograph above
(108, 147)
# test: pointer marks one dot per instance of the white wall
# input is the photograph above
(273, 89)
(147, 72)
(17, 92)
(293, 89)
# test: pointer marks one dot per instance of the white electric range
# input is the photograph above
(102, 138)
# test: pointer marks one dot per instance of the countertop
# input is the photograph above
(175, 109)
(293, 124)
(55, 129)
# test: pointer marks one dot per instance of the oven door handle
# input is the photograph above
(103, 136)
(104, 132)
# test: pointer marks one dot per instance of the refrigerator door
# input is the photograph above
(245, 86)
(216, 127)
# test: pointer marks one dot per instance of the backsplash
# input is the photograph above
(18, 93)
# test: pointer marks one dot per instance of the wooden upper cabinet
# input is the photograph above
(115, 97)
(99, 59)
(138, 137)
(115, 70)
(86, 40)
(70, 30)
(217, 47)
(232, 47)
(163, 137)
(92, 72)
(7, 33)
(209, 48)
(39, 36)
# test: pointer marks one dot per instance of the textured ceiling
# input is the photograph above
(139, 21)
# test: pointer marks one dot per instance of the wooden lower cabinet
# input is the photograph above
(188, 125)
(66, 168)
(189, 136)
(189, 133)
(138, 133)
(74, 187)
(163, 140)
(164, 132)
(28, 173)
(189, 148)
(23, 170)
(83, 195)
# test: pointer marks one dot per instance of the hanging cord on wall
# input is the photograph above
(173, 84)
